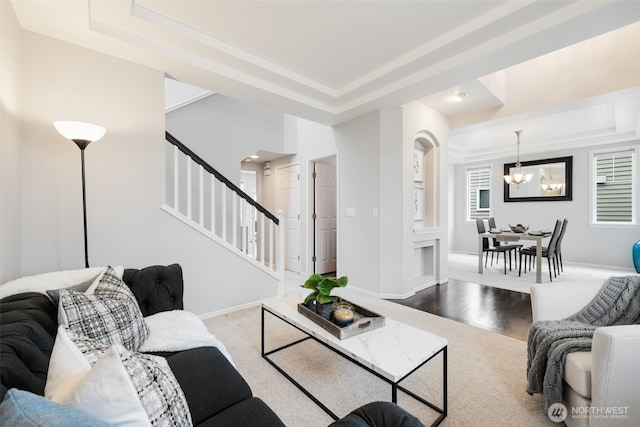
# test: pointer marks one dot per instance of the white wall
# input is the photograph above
(10, 182)
(125, 177)
(583, 243)
(359, 241)
(393, 205)
(224, 131)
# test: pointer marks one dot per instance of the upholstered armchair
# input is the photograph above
(600, 387)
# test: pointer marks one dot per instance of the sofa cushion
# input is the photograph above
(250, 412)
(27, 329)
(22, 408)
(156, 288)
(577, 372)
(223, 388)
(111, 315)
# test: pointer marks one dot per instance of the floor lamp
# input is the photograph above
(82, 134)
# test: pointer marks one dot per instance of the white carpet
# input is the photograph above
(486, 372)
(465, 267)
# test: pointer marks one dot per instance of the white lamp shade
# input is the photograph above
(79, 130)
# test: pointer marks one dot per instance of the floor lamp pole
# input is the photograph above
(82, 134)
(82, 144)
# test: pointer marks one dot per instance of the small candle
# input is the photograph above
(343, 316)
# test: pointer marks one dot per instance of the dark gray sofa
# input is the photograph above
(28, 326)
(215, 392)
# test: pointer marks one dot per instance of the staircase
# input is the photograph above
(208, 202)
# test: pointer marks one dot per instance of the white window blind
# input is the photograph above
(478, 193)
(614, 186)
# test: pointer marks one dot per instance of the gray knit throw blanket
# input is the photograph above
(549, 341)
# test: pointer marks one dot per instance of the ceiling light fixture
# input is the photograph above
(458, 97)
(517, 176)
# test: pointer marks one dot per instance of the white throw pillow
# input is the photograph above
(122, 387)
(104, 390)
(67, 367)
(110, 314)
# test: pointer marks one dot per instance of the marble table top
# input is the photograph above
(392, 351)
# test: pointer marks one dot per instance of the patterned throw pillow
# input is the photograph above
(149, 378)
(110, 315)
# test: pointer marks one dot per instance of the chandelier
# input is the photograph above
(517, 176)
(549, 184)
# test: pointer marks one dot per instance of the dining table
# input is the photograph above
(511, 236)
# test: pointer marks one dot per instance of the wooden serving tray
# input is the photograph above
(363, 321)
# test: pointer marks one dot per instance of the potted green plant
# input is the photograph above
(320, 300)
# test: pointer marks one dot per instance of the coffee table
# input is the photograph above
(392, 352)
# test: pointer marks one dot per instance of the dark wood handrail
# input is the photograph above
(174, 141)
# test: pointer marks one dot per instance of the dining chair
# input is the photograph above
(559, 265)
(493, 249)
(549, 252)
(559, 244)
(513, 246)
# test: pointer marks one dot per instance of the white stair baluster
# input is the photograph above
(201, 196)
(189, 189)
(271, 245)
(261, 238)
(176, 176)
(243, 226)
(223, 212)
(213, 204)
(234, 222)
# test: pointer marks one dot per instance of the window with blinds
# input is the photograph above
(614, 172)
(478, 193)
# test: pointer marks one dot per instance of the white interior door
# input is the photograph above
(325, 184)
(289, 203)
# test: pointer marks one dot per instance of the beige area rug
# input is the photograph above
(465, 267)
(486, 371)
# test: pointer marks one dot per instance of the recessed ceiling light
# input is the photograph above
(254, 156)
(458, 97)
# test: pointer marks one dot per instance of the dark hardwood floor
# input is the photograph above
(498, 310)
